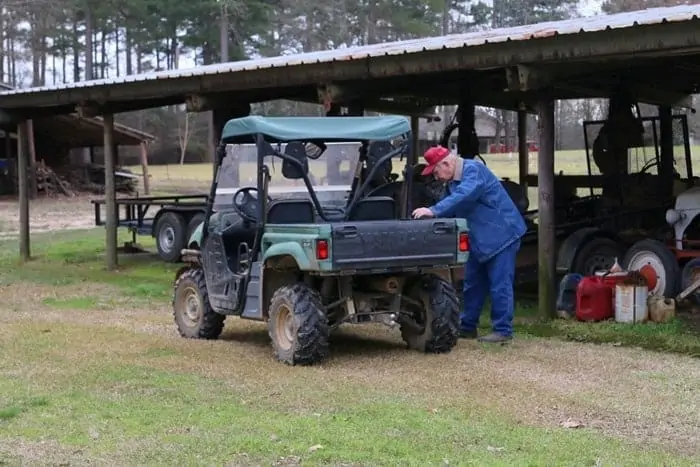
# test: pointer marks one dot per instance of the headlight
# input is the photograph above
(672, 216)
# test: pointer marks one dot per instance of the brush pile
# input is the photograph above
(72, 180)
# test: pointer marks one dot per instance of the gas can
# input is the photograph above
(594, 299)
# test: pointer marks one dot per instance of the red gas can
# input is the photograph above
(594, 300)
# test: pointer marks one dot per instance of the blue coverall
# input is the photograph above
(495, 229)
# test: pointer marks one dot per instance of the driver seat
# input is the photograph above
(291, 211)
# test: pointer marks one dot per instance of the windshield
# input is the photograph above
(331, 175)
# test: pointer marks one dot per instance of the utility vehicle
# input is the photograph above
(305, 267)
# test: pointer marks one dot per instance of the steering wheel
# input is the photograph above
(649, 165)
(246, 204)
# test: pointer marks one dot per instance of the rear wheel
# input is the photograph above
(597, 254)
(193, 313)
(690, 274)
(170, 231)
(298, 325)
(655, 257)
(437, 329)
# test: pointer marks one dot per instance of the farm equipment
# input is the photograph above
(306, 268)
(616, 203)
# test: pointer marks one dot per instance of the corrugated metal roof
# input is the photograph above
(535, 31)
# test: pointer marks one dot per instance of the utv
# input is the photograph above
(305, 267)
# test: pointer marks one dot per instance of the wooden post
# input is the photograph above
(523, 149)
(23, 182)
(666, 153)
(110, 194)
(144, 168)
(545, 187)
(33, 188)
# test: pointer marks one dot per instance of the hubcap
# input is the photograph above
(166, 239)
(191, 306)
(284, 329)
(598, 262)
(644, 258)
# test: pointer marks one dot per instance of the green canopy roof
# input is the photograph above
(319, 128)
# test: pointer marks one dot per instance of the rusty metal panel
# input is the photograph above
(678, 14)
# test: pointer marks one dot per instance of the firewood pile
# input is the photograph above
(72, 180)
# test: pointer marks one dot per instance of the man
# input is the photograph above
(495, 229)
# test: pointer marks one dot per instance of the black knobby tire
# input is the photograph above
(192, 226)
(298, 325)
(597, 254)
(170, 232)
(665, 264)
(689, 274)
(440, 317)
(194, 316)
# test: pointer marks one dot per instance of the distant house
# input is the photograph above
(485, 124)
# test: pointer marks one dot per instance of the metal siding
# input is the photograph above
(335, 57)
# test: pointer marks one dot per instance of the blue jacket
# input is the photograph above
(493, 219)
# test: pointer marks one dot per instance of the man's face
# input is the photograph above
(444, 170)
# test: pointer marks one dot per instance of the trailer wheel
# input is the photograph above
(597, 254)
(655, 254)
(170, 231)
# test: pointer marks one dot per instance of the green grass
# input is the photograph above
(116, 396)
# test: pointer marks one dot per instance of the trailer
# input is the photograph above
(169, 219)
(172, 219)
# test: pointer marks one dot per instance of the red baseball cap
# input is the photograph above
(433, 156)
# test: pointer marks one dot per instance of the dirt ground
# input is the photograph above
(48, 214)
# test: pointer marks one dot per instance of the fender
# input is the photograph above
(196, 237)
(573, 243)
(292, 249)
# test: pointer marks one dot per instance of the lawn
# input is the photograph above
(93, 372)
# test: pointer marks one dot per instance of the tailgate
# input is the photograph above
(394, 243)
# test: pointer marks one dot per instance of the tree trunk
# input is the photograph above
(116, 49)
(88, 43)
(128, 51)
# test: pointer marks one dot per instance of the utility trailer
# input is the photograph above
(169, 219)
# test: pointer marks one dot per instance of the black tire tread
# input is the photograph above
(180, 225)
(443, 318)
(311, 345)
(212, 323)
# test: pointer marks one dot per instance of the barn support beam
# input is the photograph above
(221, 115)
(467, 145)
(110, 194)
(666, 159)
(546, 241)
(23, 182)
(523, 149)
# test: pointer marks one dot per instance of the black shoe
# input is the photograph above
(495, 338)
(468, 334)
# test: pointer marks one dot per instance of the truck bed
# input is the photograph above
(394, 243)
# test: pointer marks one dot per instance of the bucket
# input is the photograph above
(631, 303)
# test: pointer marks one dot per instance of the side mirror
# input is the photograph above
(315, 149)
(295, 163)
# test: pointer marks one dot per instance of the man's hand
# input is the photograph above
(422, 212)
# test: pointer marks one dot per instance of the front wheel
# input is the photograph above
(194, 316)
(654, 258)
(436, 325)
(298, 325)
